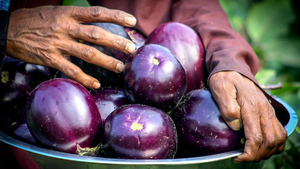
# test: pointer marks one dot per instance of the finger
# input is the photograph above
(225, 96)
(282, 137)
(253, 136)
(94, 56)
(75, 73)
(101, 14)
(252, 127)
(97, 35)
(274, 137)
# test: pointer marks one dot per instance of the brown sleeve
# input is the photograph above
(225, 48)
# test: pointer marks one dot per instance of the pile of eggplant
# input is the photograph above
(160, 106)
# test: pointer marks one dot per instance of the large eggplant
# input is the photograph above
(62, 115)
(153, 76)
(138, 131)
(201, 128)
(106, 77)
(187, 47)
(18, 79)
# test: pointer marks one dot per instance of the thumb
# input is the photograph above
(225, 95)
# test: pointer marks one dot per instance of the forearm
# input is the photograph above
(4, 20)
(225, 48)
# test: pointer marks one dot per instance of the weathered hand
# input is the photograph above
(242, 103)
(47, 35)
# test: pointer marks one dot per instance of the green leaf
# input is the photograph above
(298, 129)
(83, 3)
(269, 19)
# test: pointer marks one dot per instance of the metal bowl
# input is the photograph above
(34, 157)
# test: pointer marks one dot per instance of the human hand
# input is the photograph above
(47, 35)
(242, 103)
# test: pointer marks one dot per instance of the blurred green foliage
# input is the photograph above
(83, 3)
(272, 29)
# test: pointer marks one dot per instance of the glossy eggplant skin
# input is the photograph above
(62, 114)
(187, 47)
(138, 131)
(201, 128)
(109, 99)
(154, 77)
(18, 79)
(18, 128)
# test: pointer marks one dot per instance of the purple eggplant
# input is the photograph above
(138, 131)
(62, 115)
(18, 79)
(154, 77)
(109, 99)
(201, 128)
(187, 47)
(18, 128)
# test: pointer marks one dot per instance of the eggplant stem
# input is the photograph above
(272, 87)
(88, 151)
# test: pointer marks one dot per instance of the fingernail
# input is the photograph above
(235, 124)
(130, 47)
(120, 67)
(96, 85)
(130, 20)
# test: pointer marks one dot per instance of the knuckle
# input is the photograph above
(271, 143)
(280, 149)
(282, 139)
(56, 27)
(72, 72)
(89, 54)
(117, 16)
(96, 33)
(97, 12)
(232, 111)
(119, 43)
(88, 83)
(258, 139)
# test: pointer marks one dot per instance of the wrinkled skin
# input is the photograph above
(242, 103)
(47, 35)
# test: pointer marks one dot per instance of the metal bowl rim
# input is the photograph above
(103, 160)
(290, 127)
